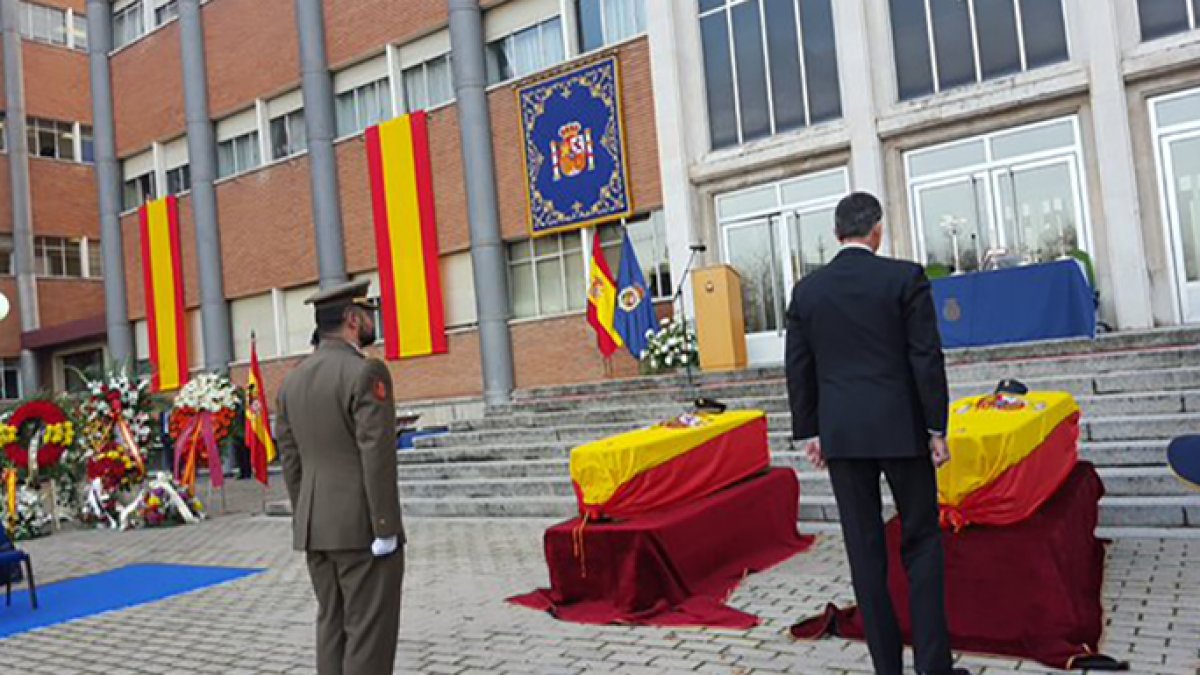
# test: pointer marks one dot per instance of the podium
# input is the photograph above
(720, 325)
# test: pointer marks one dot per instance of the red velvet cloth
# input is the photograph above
(703, 470)
(1021, 490)
(674, 567)
(1029, 590)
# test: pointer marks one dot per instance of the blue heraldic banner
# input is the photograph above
(574, 147)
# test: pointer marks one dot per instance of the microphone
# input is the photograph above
(698, 248)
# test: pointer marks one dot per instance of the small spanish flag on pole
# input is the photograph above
(162, 272)
(406, 237)
(258, 419)
(602, 301)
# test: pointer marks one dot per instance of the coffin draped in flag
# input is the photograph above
(162, 272)
(406, 237)
(635, 309)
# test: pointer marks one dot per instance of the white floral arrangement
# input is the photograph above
(32, 520)
(207, 393)
(672, 346)
(118, 391)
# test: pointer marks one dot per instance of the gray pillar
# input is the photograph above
(487, 248)
(202, 155)
(319, 123)
(108, 185)
(18, 170)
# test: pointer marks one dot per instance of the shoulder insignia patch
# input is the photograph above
(381, 391)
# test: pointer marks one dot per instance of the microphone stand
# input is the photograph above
(687, 270)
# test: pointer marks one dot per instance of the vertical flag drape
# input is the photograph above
(406, 237)
(162, 271)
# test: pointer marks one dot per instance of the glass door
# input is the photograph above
(1039, 220)
(1181, 159)
(755, 249)
(955, 223)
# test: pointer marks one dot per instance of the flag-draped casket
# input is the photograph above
(1009, 455)
(679, 460)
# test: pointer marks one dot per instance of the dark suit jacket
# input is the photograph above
(336, 432)
(865, 368)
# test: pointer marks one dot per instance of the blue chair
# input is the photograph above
(10, 570)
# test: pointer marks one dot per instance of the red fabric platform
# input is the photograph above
(1021, 490)
(1029, 590)
(674, 567)
(703, 470)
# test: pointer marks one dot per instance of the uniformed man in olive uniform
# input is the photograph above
(336, 431)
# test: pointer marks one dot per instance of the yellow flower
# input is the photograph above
(154, 501)
(198, 504)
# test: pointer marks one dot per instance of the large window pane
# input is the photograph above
(1182, 110)
(346, 119)
(718, 72)
(952, 220)
(1037, 214)
(524, 294)
(910, 41)
(952, 37)
(623, 19)
(787, 84)
(591, 28)
(812, 188)
(416, 94)
(999, 51)
(1159, 18)
(751, 71)
(1185, 171)
(1037, 139)
(820, 59)
(1045, 32)
(553, 49)
(747, 202)
(948, 158)
(440, 81)
(813, 242)
(753, 254)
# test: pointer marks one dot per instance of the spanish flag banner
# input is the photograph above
(602, 301)
(258, 419)
(406, 237)
(162, 271)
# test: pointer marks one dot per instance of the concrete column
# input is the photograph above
(1129, 287)
(488, 256)
(18, 170)
(681, 121)
(202, 154)
(319, 122)
(108, 184)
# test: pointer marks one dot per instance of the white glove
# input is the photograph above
(383, 547)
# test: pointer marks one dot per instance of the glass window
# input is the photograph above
(10, 379)
(79, 33)
(179, 179)
(363, 107)
(6, 254)
(80, 365)
(87, 144)
(3, 132)
(546, 276)
(128, 24)
(256, 315)
(1179, 110)
(165, 11)
(58, 257)
(1159, 18)
(648, 234)
(604, 22)
(288, 135)
(43, 24)
(95, 259)
(51, 139)
(238, 155)
(526, 51)
(137, 191)
(428, 85)
(770, 66)
(1013, 193)
(972, 41)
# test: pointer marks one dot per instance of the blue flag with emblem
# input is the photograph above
(635, 309)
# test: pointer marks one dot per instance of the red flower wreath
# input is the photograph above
(47, 413)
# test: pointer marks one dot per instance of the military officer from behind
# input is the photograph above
(337, 442)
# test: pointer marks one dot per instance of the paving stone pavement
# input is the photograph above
(455, 620)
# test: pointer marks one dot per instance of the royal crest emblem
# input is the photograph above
(572, 154)
(596, 290)
(630, 297)
(952, 311)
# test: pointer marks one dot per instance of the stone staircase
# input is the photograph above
(1137, 391)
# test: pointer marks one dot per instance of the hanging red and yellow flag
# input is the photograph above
(406, 237)
(258, 422)
(162, 271)
(602, 301)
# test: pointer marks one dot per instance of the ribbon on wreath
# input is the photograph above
(163, 481)
(95, 502)
(199, 433)
(125, 434)
(10, 486)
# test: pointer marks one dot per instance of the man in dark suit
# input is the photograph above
(336, 431)
(868, 396)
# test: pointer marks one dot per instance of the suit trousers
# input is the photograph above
(358, 617)
(860, 505)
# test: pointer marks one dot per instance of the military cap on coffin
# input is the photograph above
(331, 303)
(1183, 456)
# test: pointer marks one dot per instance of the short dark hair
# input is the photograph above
(330, 320)
(856, 215)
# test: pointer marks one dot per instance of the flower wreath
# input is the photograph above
(59, 435)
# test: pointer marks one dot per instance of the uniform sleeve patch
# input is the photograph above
(381, 390)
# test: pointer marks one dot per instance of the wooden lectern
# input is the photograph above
(720, 326)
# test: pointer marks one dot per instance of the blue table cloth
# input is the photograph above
(1022, 304)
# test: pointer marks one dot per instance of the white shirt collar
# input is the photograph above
(855, 244)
